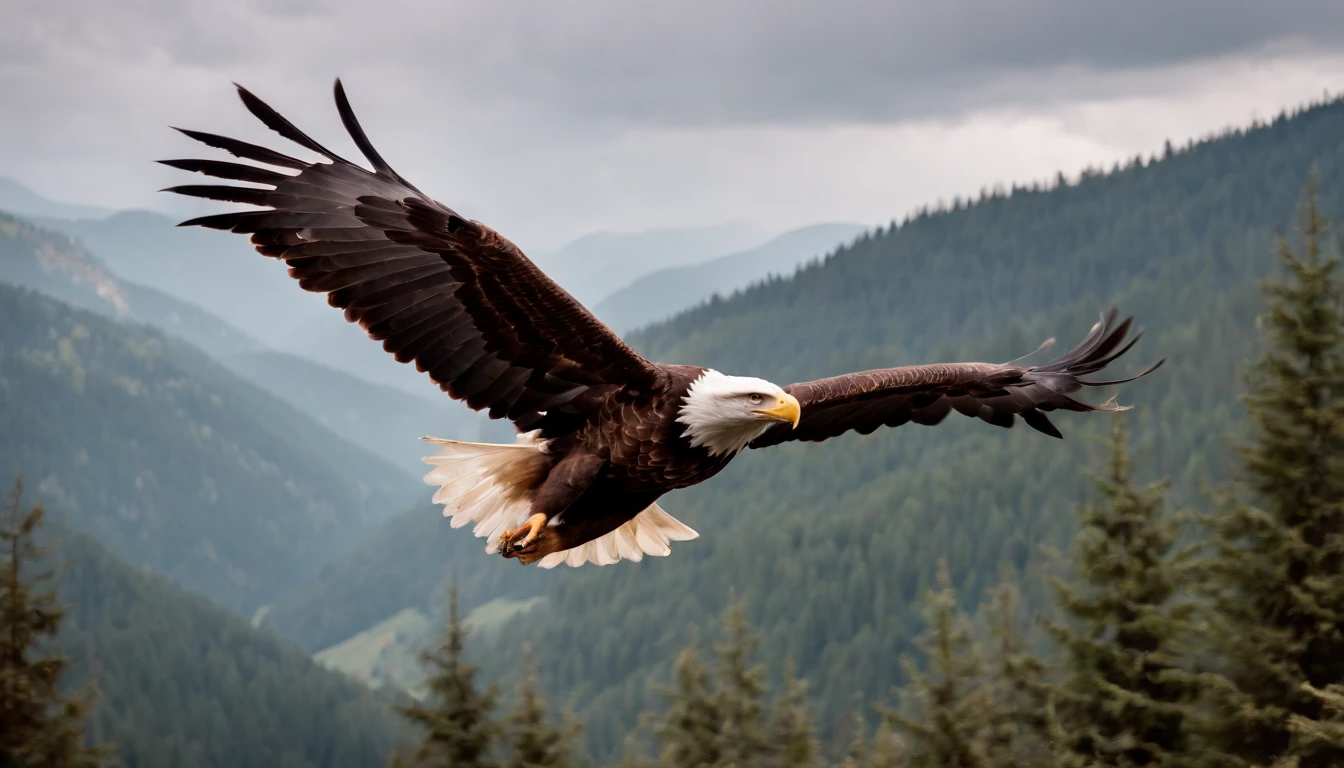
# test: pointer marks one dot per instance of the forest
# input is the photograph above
(949, 596)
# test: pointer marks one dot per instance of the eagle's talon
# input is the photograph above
(522, 540)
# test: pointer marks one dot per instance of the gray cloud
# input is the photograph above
(554, 117)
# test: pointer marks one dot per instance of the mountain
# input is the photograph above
(216, 271)
(383, 420)
(659, 295)
(595, 265)
(829, 546)
(175, 462)
(184, 682)
(25, 202)
(57, 265)
(388, 422)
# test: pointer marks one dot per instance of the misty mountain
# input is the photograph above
(595, 265)
(25, 202)
(829, 546)
(659, 295)
(182, 682)
(57, 265)
(217, 271)
(175, 462)
(383, 420)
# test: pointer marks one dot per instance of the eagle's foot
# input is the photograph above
(522, 540)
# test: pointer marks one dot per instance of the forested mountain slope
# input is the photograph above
(174, 462)
(184, 682)
(830, 545)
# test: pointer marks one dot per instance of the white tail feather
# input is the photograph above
(648, 533)
(488, 484)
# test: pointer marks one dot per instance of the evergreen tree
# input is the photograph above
(1276, 576)
(948, 726)
(39, 726)
(1125, 697)
(455, 717)
(689, 731)
(1017, 707)
(793, 733)
(740, 695)
(533, 740)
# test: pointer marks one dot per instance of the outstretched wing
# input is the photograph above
(451, 295)
(926, 394)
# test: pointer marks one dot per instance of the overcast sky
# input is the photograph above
(551, 118)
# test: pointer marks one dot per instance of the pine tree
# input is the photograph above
(455, 717)
(689, 731)
(740, 695)
(1125, 698)
(1276, 576)
(948, 725)
(1016, 718)
(792, 730)
(39, 726)
(533, 740)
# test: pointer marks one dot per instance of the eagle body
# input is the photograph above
(603, 433)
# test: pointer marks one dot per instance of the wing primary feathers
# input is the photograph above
(221, 169)
(1047, 344)
(282, 126)
(1113, 382)
(356, 132)
(223, 192)
(244, 150)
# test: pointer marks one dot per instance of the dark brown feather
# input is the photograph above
(448, 294)
(926, 394)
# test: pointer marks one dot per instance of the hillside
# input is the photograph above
(659, 295)
(829, 545)
(184, 682)
(58, 265)
(385, 421)
(409, 563)
(174, 462)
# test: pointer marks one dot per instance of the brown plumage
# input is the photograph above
(603, 432)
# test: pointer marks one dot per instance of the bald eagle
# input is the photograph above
(603, 433)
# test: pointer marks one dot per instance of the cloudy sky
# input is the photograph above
(552, 118)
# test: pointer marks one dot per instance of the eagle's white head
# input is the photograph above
(724, 413)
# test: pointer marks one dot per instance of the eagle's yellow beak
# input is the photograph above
(787, 409)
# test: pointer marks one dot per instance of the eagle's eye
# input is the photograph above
(754, 398)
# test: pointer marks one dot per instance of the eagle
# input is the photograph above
(602, 432)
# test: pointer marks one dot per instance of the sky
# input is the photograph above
(548, 120)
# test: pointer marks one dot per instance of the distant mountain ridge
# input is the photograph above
(24, 201)
(661, 294)
(595, 265)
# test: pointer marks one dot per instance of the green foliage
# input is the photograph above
(533, 741)
(174, 462)
(456, 718)
(1126, 697)
(1276, 577)
(39, 724)
(949, 712)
